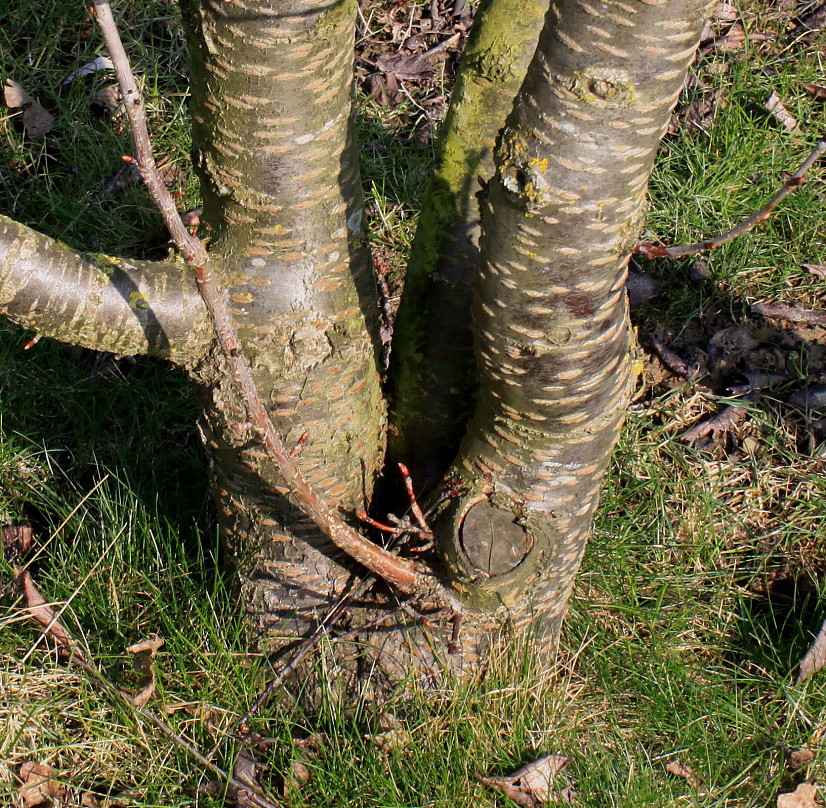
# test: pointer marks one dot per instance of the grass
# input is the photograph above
(699, 593)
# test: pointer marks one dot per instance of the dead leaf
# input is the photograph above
(725, 12)
(42, 612)
(814, 90)
(391, 740)
(17, 540)
(815, 657)
(299, 776)
(715, 428)
(393, 735)
(40, 789)
(14, 95)
(100, 63)
(37, 120)
(816, 269)
(799, 758)
(679, 769)
(148, 647)
(530, 785)
(812, 397)
(777, 109)
(145, 652)
(641, 286)
(804, 796)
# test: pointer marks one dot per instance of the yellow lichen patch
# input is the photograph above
(138, 300)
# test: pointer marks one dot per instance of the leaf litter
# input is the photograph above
(145, 652)
(804, 796)
(530, 786)
(37, 120)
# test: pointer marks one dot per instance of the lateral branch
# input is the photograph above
(794, 181)
(398, 572)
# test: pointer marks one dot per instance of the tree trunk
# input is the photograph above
(274, 147)
(559, 221)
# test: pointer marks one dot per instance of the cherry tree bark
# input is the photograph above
(275, 150)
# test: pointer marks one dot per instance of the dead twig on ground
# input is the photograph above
(650, 250)
(791, 313)
(402, 574)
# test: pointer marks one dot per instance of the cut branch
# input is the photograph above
(797, 179)
(396, 571)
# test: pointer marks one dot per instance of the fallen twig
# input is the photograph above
(399, 572)
(650, 250)
(674, 363)
(791, 313)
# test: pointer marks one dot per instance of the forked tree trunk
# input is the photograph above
(273, 135)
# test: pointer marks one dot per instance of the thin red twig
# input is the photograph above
(396, 571)
(414, 505)
(797, 179)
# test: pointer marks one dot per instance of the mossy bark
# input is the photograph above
(432, 366)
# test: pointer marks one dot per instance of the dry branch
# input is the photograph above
(791, 313)
(793, 182)
(396, 571)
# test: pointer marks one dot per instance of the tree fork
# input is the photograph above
(397, 572)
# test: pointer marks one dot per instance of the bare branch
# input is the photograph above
(793, 182)
(396, 571)
(791, 313)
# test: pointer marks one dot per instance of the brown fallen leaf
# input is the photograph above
(816, 269)
(777, 109)
(804, 796)
(679, 769)
(815, 657)
(299, 776)
(812, 397)
(531, 785)
(40, 789)
(17, 540)
(37, 120)
(14, 95)
(393, 735)
(814, 90)
(42, 613)
(145, 652)
(724, 12)
(641, 287)
(799, 758)
(715, 428)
